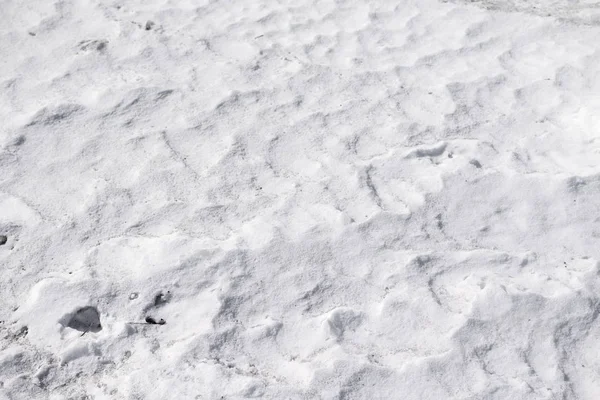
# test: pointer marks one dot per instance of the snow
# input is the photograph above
(322, 199)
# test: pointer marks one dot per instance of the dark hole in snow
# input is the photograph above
(19, 140)
(161, 299)
(22, 332)
(86, 319)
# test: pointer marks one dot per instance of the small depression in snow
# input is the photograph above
(85, 319)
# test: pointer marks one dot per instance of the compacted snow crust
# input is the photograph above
(305, 199)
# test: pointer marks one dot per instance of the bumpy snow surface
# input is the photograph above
(299, 199)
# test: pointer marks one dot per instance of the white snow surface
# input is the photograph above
(323, 199)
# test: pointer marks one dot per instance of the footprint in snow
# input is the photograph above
(86, 319)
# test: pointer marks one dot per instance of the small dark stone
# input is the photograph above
(152, 321)
(101, 46)
(475, 163)
(149, 25)
(3, 239)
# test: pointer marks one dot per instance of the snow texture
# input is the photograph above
(307, 199)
